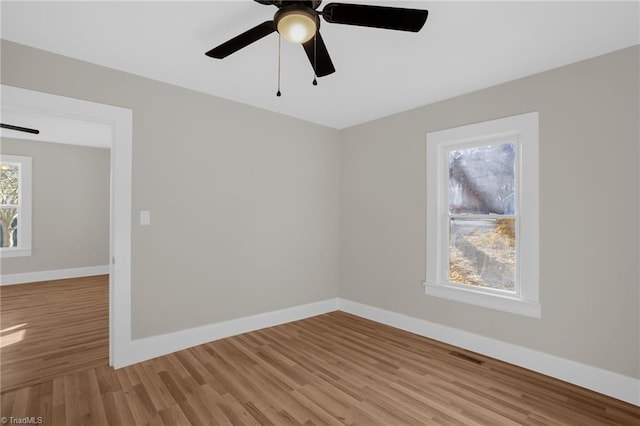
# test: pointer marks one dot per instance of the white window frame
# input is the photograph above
(24, 207)
(522, 130)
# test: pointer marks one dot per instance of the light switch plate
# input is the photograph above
(145, 217)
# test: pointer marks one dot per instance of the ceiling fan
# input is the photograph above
(299, 22)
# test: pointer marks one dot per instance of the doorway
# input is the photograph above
(80, 122)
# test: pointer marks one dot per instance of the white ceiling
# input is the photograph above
(464, 46)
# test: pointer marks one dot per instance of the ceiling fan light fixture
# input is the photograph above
(298, 21)
(296, 24)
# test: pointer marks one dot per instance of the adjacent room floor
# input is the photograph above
(330, 369)
(52, 328)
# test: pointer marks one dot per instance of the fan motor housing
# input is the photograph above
(281, 3)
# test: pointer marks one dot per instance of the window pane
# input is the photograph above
(9, 226)
(482, 180)
(483, 253)
(9, 192)
(9, 180)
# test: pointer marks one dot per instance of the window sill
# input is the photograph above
(492, 301)
(15, 252)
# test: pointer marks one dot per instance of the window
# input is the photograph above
(15, 206)
(482, 214)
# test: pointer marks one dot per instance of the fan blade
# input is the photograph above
(243, 40)
(391, 18)
(319, 56)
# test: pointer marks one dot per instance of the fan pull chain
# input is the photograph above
(315, 56)
(279, 43)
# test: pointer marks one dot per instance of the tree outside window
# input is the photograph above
(15, 206)
(9, 203)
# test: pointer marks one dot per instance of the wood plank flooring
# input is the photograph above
(52, 328)
(331, 369)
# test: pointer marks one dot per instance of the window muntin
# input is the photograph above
(15, 206)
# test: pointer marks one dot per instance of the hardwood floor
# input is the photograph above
(330, 369)
(52, 328)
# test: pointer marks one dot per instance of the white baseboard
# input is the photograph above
(151, 347)
(602, 381)
(58, 274)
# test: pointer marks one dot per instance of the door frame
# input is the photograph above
(111, 127)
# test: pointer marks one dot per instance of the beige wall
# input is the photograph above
(70, 206)
(252, 211)
(244, 202)
(588, 212)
